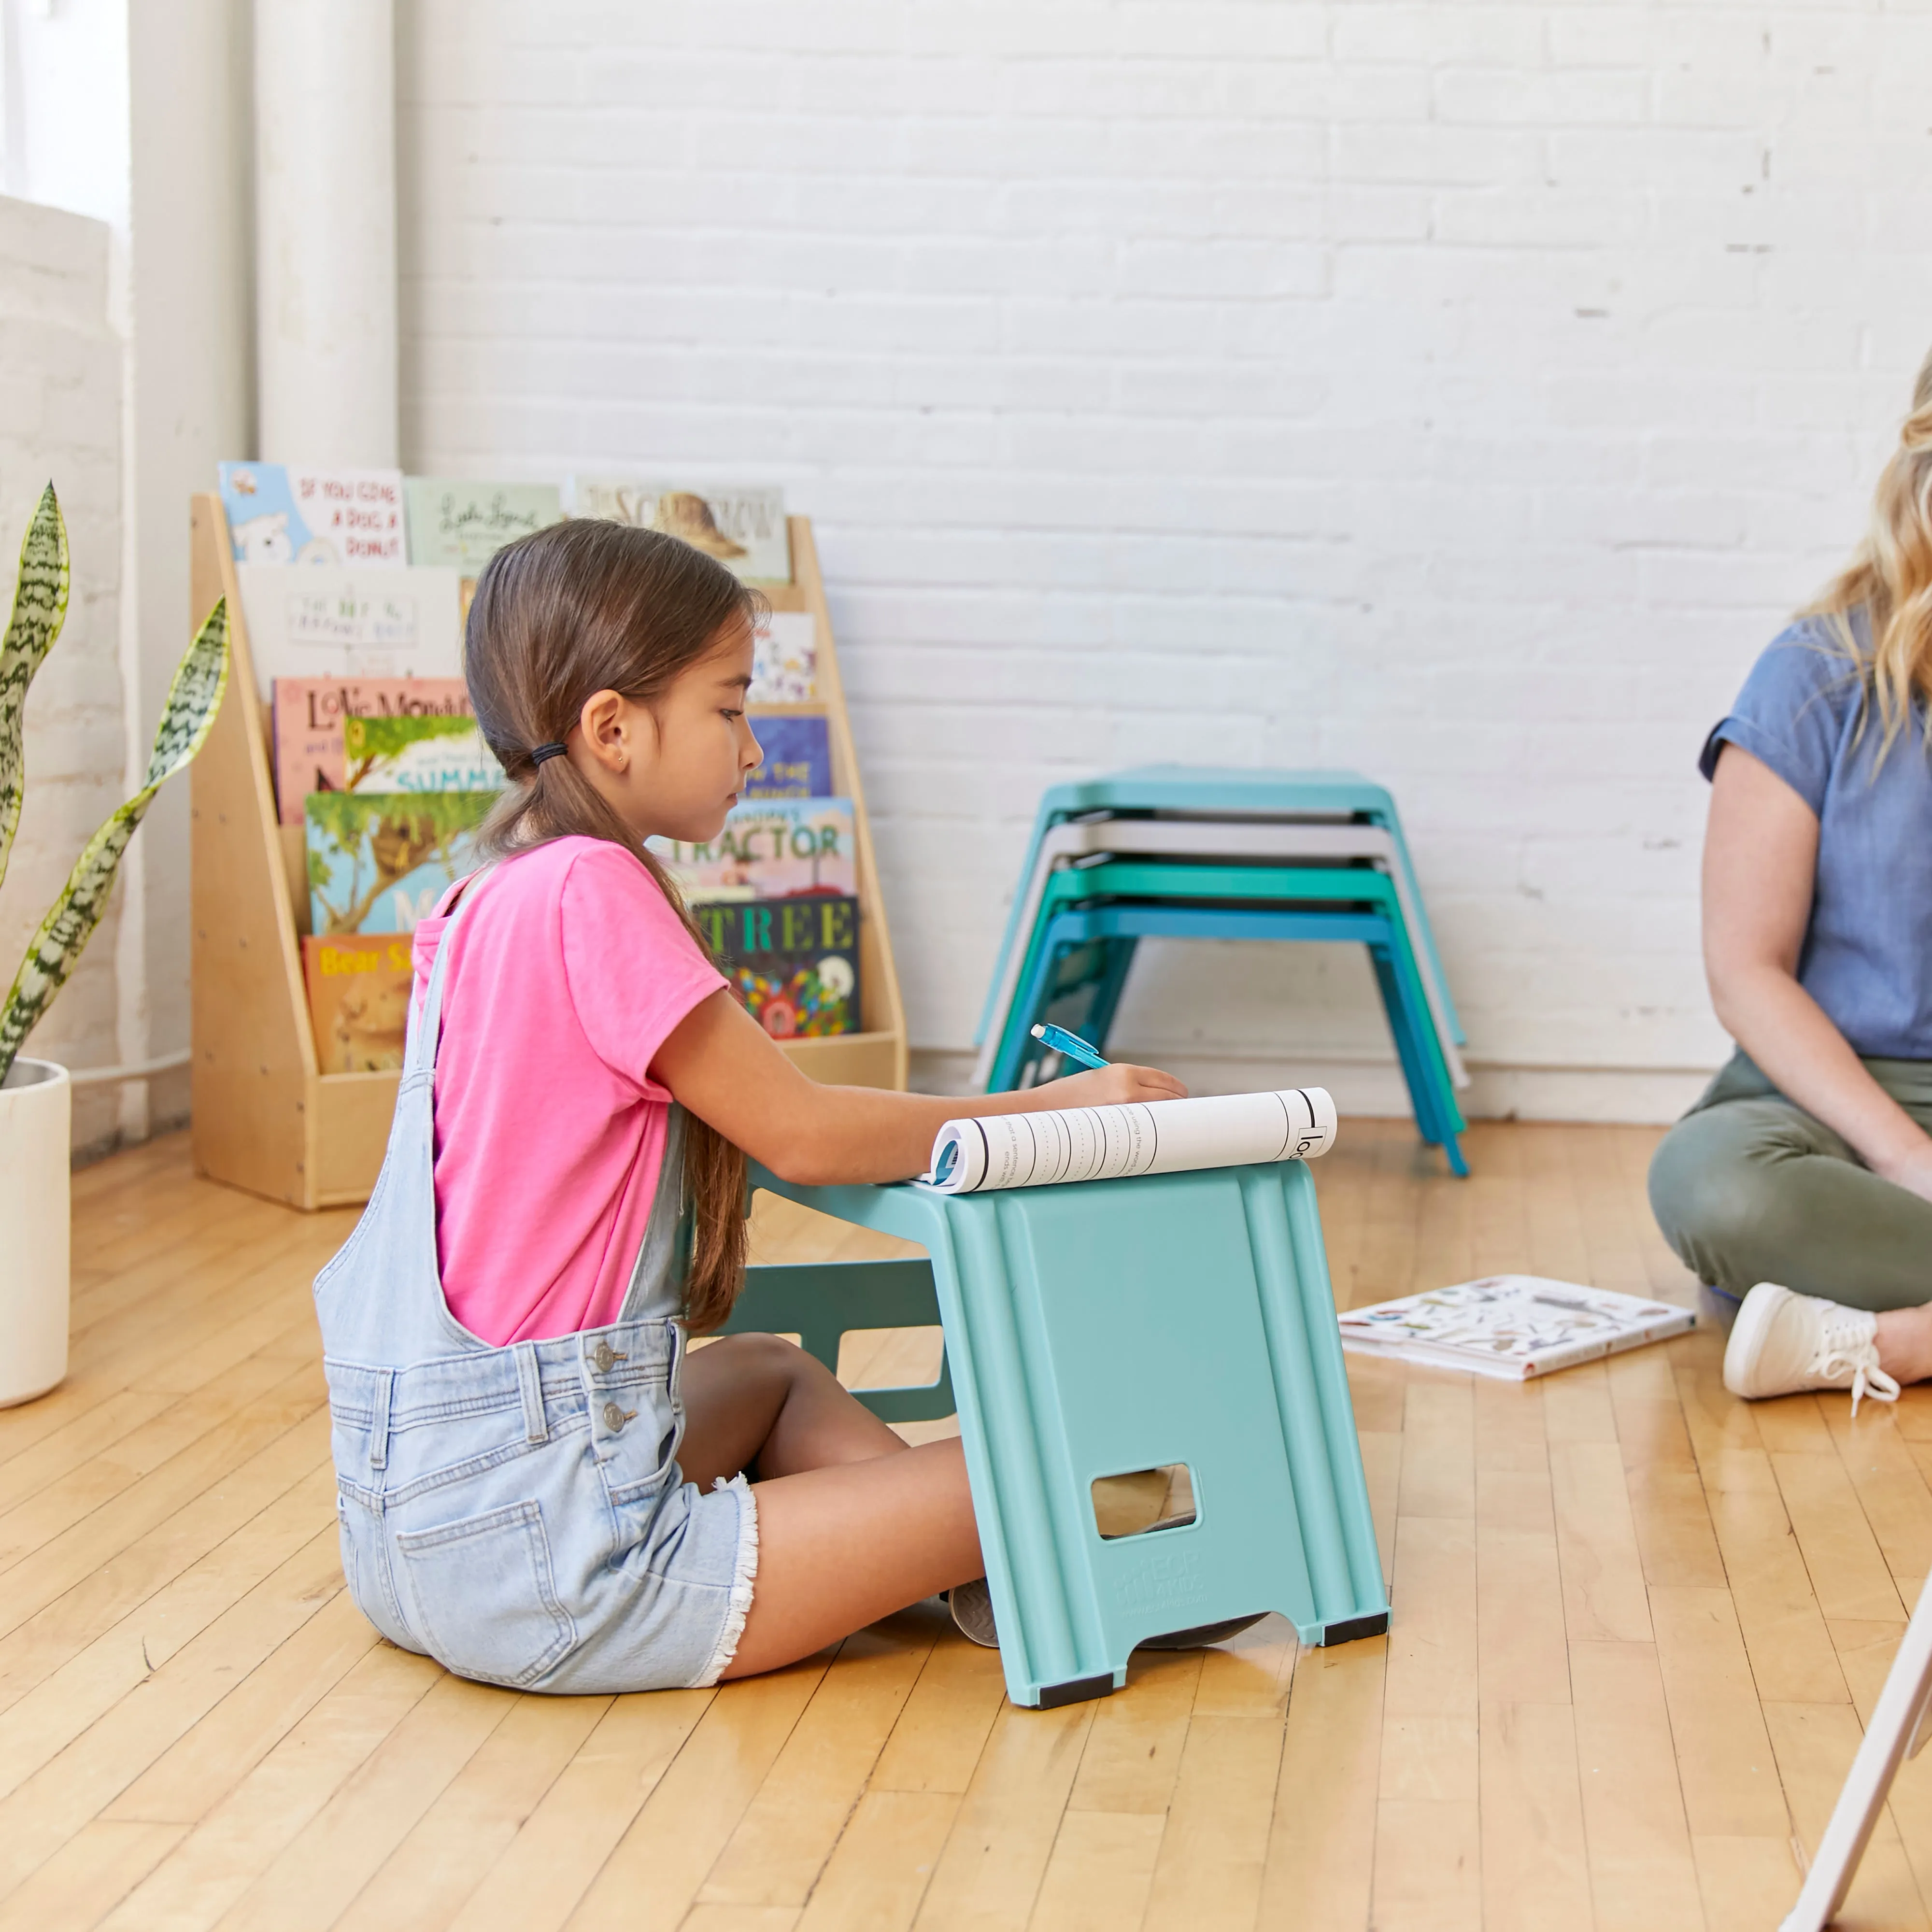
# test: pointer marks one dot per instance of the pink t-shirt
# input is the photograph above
(567, 974)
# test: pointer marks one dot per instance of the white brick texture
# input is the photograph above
(60, 418)
(1460, 393)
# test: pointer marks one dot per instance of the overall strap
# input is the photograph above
(425, 1026)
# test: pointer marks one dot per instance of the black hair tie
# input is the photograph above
(544, 751)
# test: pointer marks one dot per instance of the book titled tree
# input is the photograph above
(379, 862)
(794, 962)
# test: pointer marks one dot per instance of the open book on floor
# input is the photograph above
(1511, 1326)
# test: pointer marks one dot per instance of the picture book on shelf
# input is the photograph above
(321, 622)
(460, 527)
(770, 849)
(1511, 1326)
(795, 962)
(378, 862)
(742, 525)
(418, 754)
(798, 756)
(359, 999)
(279, 513)
(309, 715)
(784, 660)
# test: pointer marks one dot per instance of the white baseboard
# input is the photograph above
(1640, 1095)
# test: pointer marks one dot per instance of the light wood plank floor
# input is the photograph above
(1637, 1625)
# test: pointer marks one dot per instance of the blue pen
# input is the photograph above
(1059, 1040)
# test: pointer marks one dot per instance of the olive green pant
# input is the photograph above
(1747, 1188)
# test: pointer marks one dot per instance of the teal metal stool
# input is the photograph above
(1186, 892)
(1077, 979)
(1099, 1330)
(1185, 791)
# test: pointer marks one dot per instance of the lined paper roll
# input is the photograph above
(976, 1155)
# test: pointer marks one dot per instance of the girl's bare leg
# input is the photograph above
(852, 1524)
(759, 1399)
(838, 1548)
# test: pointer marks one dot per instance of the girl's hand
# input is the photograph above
(1108, 1087)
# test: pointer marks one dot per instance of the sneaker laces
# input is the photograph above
(1847, 1344)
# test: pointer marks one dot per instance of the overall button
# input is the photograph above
(603, 1358)
(615, 1418)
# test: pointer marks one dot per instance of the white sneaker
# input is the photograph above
(1783, 1342)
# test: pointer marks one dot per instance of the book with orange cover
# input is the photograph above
(359, 999)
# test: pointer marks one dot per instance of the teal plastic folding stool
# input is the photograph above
(1104, 1328)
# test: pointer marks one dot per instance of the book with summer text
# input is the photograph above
(420, 754)
(310, 714)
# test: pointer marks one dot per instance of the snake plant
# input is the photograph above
(40, 608)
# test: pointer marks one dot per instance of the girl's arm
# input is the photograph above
(722, 1064)
(1760, 861)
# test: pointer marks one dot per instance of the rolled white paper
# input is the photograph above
(976, 1156)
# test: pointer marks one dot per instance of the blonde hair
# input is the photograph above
(1890, 577)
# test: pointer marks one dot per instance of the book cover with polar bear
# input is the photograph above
(277, 513)
(359, 999)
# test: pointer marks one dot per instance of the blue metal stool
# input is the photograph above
(1105, 1327)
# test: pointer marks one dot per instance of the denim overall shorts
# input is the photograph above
(518, 1514)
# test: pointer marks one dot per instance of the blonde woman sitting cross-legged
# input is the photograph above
(1802, 1180)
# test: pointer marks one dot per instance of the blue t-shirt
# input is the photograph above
(1867, 954)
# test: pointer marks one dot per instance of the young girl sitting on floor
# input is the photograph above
(537, 1486)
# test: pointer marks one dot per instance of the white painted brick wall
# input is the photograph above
(60, 418)
(1459, 393)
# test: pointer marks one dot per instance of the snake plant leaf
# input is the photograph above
(40, 608)
(193, 699)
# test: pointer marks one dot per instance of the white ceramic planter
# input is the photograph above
(34, 1108)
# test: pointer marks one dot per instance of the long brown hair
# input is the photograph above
(1891, 576)
(584, 606)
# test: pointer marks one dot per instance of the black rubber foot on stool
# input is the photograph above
(1356, 1627)
(1076, 1690)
